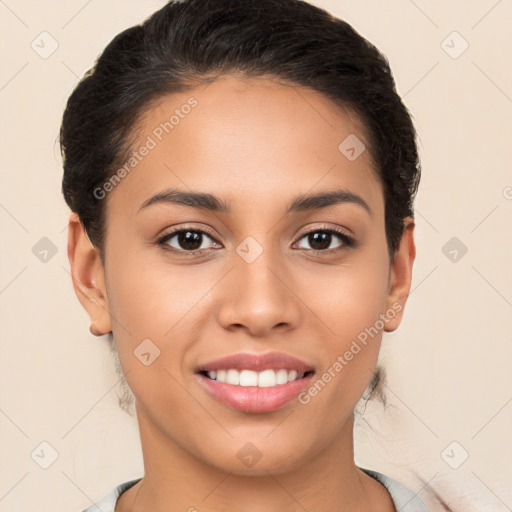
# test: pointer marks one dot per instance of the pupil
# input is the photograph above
(189, 240)
(320, 240)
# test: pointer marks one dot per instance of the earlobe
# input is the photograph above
(88, 276)
(400, 275)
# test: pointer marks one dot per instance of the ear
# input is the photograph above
(400, 275)
(88, 276)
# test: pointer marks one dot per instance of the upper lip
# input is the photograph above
(257, 362)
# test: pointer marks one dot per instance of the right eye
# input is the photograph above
(187, 240)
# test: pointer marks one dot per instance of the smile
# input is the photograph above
(255, 383)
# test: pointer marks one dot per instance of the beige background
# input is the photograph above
(448, 365)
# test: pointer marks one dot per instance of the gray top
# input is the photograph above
(404, 499)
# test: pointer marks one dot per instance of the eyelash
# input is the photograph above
(346, 241)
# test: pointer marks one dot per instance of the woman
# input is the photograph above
(241, 176)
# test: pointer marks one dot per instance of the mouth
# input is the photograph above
(255, 383)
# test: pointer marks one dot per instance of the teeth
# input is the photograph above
(282, 376)
(267, 379)
(292, 375)
(247, 377)
(233, 377)
(263, 379)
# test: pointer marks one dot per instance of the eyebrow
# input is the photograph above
(210, 202)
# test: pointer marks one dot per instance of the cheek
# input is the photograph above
(160, 310)
(349, 302)
(147, 299)
(350, 297)
(151, 331)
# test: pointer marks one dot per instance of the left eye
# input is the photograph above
(322, 240)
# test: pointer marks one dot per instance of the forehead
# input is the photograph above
(247, 139)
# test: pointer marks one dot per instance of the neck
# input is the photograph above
(176, 480)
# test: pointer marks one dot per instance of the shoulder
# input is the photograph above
(404, 499)
(108, 502)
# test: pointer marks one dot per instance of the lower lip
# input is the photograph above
(253, 398)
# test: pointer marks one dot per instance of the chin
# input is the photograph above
(258, 458)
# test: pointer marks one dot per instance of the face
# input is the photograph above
(243, 231)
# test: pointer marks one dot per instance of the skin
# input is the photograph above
(251, 143)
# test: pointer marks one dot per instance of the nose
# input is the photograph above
(258, 297)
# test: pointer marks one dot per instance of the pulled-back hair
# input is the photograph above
(190, 42)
